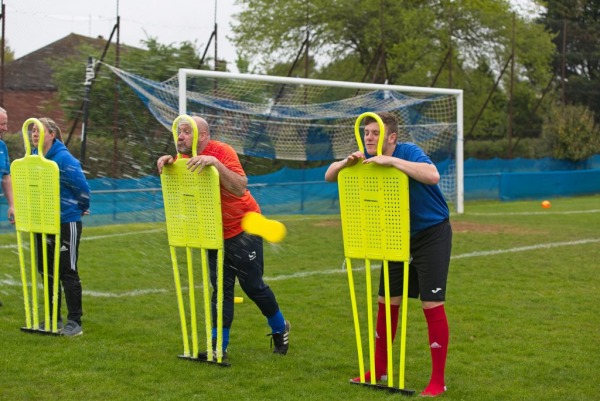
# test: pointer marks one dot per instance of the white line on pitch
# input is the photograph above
(135, 293)
(13, 246)
(526, 248)
(533, 213)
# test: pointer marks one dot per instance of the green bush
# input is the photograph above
(530, 148)
(569, 132)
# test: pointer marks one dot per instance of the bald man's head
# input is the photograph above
(201, 124)
(185, 135)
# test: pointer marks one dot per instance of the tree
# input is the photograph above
(139, 136)
(409, 42)
(576, 24)
(9, 54)
(570, 133)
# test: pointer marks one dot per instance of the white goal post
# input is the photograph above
(283, 116)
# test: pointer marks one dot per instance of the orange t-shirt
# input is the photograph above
(233, 207)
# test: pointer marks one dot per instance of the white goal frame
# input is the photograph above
(184, 73)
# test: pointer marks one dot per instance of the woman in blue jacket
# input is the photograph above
(74, 203)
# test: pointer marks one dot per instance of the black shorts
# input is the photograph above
(428, 270)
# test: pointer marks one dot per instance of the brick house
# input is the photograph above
(29, 90)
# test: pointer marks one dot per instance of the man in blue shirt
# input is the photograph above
(5, 169)
(430, 245)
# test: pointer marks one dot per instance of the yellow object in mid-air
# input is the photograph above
(257, 224)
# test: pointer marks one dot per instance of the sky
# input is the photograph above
(32, 24)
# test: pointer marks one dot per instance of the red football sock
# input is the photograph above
(381, 337)
(437, 326)
(381, 341)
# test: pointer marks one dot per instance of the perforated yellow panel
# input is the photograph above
(375, 209)
(192, 206)
(36, 188)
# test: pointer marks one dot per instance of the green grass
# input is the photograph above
(522, 305)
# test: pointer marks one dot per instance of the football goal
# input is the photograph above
(309, 119)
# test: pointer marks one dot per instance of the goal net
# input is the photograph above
(307, 119)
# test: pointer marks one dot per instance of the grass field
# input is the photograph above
(522, 305)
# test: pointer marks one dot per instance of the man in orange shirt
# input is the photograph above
(243, 253)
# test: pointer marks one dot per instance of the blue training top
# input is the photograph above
(4, 160)
(428, 206)
(74, 188)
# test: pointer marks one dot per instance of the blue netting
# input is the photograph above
(294, 121)
(304, 191)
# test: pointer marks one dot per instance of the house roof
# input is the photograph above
(34, 72)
